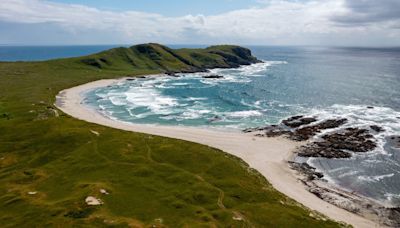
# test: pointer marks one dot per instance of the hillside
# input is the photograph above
(164, 59)
(50, 162)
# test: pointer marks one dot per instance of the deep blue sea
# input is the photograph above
(41, 53)
(319, 81)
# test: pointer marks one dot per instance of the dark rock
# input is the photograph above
(193, 70)
(394, 216)
(353, 139)
(297, 121)
(315, 150)
(214, 119)
(274, 131)
(306, 170)
(213, 76)
(332, 123)
(377, 128)
(393, 141)
(305, 133)
(290, 127)
(248, 130)
(172, 74)
(130, 79)
(339, 144)
(370, 107)
(269, 131)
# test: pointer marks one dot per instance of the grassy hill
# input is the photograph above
(50, 162)
(164, 59)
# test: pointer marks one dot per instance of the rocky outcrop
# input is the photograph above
(305, 133)
(350, 201)
(213, 77)
(377, 128)
(297, 121)
(339, 143)
(307, 170)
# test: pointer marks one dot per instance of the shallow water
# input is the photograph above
(325, 82)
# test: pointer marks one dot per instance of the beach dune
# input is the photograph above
(268, 156)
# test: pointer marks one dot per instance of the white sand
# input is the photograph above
(268, 156)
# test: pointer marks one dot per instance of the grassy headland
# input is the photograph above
(151, 180)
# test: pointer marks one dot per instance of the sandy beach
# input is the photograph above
(268, 156)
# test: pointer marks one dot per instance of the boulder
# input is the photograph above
(93, 201)
(213, 76)
(306, 170)
(377, 128)
(297, 121)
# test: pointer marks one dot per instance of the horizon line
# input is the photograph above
(249, 45)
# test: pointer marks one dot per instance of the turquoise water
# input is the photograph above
(324, 82)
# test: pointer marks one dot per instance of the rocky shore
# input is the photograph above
(334, 141)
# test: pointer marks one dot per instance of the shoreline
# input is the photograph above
(269, 156)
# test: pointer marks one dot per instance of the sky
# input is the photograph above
(243, 22)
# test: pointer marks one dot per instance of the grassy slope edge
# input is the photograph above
(151, 180)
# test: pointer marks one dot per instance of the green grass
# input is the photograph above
(151, 180)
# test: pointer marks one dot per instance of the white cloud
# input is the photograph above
(274, 22)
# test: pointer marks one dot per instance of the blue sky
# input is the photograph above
(251, 22)
(168, 7)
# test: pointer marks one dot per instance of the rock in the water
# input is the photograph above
(213, 76)
(315, 150)
(305, 133)
(353, 139)
(214, 119)
(297, 121)
(377, 128)
(394, 141)
(339, 144)
(296, 127)
(336, 144)
(172, 74)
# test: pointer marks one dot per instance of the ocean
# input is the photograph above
(42, 53)
(326, 82)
